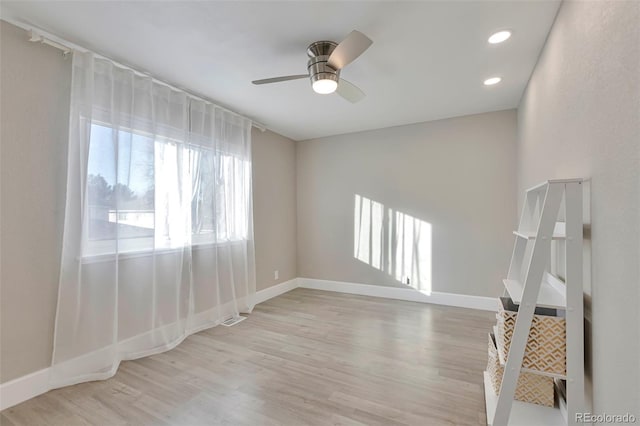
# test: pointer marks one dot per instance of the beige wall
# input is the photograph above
(274, 210)
(580, 117)
(35, 84)
(456, 174)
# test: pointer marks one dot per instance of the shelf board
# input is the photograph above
(522, 413)
(544, 184)
(549, 296)
(502, 362)
(532, 235)
(559, 232)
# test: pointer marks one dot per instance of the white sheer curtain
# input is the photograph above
(158, 234)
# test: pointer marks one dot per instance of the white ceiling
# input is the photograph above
(427, 62)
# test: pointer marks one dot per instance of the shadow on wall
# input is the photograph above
(393, 242)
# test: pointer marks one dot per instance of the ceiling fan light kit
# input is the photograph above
(324, 78)
(326, 60)
(326, 85)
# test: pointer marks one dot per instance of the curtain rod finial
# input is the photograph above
(259, 126)
(38, 38)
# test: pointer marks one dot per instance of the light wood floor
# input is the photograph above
(305, 358)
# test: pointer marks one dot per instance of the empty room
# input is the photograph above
(319, 213)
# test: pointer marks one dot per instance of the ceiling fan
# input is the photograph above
(326, 60)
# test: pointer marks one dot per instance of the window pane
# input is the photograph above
(232, 197)
(120, 185)
(202, 207)
(221, 196)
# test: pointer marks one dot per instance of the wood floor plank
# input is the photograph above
(307, 357)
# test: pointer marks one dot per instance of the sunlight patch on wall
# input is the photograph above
(368, 232)
(393, 242)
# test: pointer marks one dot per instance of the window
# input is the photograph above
(146, 192)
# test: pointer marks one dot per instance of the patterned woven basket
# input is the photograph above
(547, 344)
(531, 387)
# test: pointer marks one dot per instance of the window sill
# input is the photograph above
(133, 254)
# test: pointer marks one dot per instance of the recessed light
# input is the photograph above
(499, 37)
(491, 81)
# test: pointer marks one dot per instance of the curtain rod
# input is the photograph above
(39, 36)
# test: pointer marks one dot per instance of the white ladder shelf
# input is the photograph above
(530, 284)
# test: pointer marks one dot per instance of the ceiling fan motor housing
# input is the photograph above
(317, 66)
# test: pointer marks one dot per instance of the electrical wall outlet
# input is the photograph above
(276, 274)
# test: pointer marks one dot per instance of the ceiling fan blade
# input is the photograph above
(279, 79)
(349, 91)
(349, 49)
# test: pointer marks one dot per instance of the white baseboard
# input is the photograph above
(276, 290)
(23, 388)
(408, 294)
(37, 383)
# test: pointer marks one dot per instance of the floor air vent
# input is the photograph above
(233, 320)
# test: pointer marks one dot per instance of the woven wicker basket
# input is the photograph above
(547, 344)
(531, 387)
